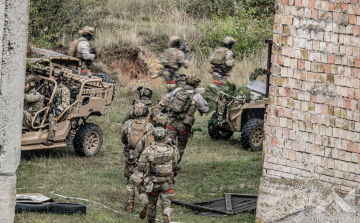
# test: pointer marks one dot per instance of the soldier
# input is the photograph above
(160, 159)
(137, 177)
(132, 131)
(33, 101)
(222, 61)
(60, 103)
(81, 49)
(183, 104)
(145, 94)
(172, 60)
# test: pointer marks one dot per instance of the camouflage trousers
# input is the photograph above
(181, 133)
(171, 81)
(53, 125)
(218, 81)
(27, 119)
(133, 181)
(165, 192)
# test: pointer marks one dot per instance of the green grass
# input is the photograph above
(209, 169)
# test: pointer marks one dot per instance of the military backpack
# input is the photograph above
(73, 52)
(218, 57)
(161, 160)
(180, 102)
(137, 132)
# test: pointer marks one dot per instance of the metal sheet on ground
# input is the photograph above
(230, 204)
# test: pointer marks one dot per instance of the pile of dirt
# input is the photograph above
(127, 60)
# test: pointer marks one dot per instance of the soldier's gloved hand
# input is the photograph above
(93, 51)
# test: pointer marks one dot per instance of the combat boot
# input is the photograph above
(48, 143)
(166, 219)
(151, 220)
(143, 212)
(130, 207)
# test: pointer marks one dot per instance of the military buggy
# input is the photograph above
(90, 96)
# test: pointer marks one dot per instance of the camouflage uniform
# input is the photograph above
(131, 167)
(63, 101)
(145, 94)
(179, 127)
(33, 102)
(158, 186)
(172, 60)
(222, 61)
(81, 49)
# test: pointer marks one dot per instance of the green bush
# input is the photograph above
(246, 26)
(50, 19)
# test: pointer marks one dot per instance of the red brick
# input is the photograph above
(313, 98)
(352, 19)
(357, 10)
(324, 109)
(312, 3)
(359, 158)
(288, 92)
(328, 68)
(281, 112)
(331, 59)
(352, 147)
(285, 2)
(301, 64)
(274, 142)
(345, 6)
(357, 62)
(356, 30)
(281, 60)
(315, 14)
(331, 6)
(347, 103)
(298, 2)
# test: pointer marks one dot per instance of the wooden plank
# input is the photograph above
(245, 206)
(243, 195)
(228, 202)
(200, 208)
(206, 201)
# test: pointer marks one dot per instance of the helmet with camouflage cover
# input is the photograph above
(175, 41)
(160, 120)
(87, 29)
(140, 110)
(144, 92)
(31, 80)
(159, 134)
(229, 42)
(193, 80)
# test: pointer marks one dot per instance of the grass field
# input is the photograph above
(209, 169)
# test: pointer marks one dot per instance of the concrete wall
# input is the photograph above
(14, 16)
(312, 147)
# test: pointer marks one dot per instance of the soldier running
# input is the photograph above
(172, 60)
(222, 61)
(145, 94)
(160, 159)
(132, 131)
(60, 103)
(33, 101)
(183, 104)
(81, 49)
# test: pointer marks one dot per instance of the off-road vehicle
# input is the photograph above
(234, 114)
(90, 96)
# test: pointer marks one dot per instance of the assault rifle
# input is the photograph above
(185, 50)
(55, 100)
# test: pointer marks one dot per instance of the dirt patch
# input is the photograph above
(127, 60)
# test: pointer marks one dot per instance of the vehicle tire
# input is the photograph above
(30, 207)
(88, 140)
(252, 135)
(106, 79)
(216, 132)
(67, 208)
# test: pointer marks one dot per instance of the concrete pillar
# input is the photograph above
(14, 17)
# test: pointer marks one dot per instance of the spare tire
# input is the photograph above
(30, 207)
(67, 208)
(106, 79)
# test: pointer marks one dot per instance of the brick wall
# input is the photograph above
(312, 124)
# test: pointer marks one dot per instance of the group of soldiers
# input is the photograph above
(154, 143)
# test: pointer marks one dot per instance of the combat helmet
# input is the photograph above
(229, 42)
(87, 29)
(193, 80)
(31, 80)
(159, 134)
(160, 120)
(140, 110)
(174, 41)
(144, 92)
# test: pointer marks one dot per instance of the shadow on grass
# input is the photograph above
(48, 153)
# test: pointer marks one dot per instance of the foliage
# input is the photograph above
(256, 73)
(50, 19)
(246, 26)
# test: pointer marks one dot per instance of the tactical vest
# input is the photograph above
(73, 52)
(161, 160)
(170, 58)
(218, 57)
(180, 102)
(136, 133)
